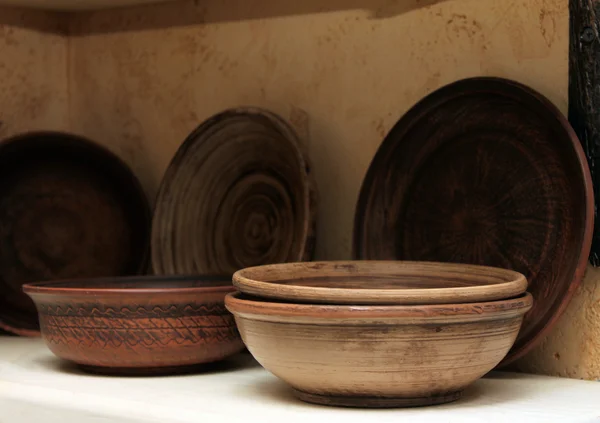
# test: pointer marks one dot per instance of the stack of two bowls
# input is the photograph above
(376, 333)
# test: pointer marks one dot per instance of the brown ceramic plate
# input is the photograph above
(380, 282)
(137, 325)
(68, 208)
(484, 171)
(238, 193)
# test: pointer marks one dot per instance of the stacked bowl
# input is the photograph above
(378, 333)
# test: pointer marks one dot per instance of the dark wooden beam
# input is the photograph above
(584, 92)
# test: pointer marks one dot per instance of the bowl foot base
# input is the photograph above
(376, 402)
(145, 371)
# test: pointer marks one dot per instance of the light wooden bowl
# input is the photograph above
(378, 356)
(380, 282)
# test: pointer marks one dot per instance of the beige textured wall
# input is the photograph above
(342, 71)
(33, 71)
(572, 349)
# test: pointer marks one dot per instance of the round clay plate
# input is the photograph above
(68, 209)
(484, 171)
(238, 193)
(380, 282)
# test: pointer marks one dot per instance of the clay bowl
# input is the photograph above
(378, 356)
(137, 325)
(380, 282)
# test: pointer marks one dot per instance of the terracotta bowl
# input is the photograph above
(147, 324)
(378, 356)
(380, 282)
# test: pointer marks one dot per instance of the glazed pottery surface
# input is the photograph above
(137, 325)
(378, 356)
(379, 282)
(484, 171)
(69, 208)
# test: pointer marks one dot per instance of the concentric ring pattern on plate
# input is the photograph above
(237, 193)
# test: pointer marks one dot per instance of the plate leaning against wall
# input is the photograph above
(484, 171)
(238, 193)
(69, 208)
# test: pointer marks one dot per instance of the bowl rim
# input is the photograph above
(511, 283)
(75, 286)
(242, 305)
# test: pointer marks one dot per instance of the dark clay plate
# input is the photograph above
(68, 209)
(484, 171)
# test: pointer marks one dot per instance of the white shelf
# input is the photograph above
(35, 386)
(76, 5)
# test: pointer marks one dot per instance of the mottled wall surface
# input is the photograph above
(342, 71)
(573, 348)
(33, 71)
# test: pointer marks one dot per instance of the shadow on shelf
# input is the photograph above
(233, 364)
(195, 12)
(38, 20)
(272, 389)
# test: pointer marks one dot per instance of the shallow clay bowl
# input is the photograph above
(137, 325)
(379, 282)
(378, 356)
